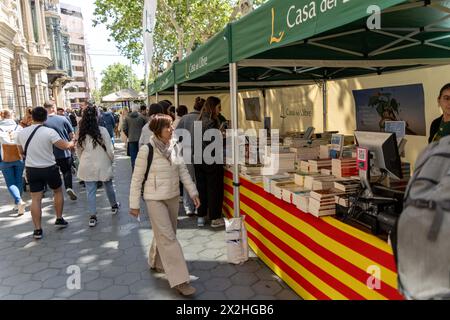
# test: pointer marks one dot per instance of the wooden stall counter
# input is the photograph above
(319, 258)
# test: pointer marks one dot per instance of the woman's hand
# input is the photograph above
(135, 212)
(196, 200)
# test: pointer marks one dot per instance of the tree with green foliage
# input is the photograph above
(181, 25)
(118, 76)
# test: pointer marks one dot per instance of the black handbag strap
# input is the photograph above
(29, 139)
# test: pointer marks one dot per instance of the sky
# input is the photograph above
(102, 52)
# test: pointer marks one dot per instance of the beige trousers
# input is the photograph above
(165, 250)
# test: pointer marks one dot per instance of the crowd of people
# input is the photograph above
(51, 142)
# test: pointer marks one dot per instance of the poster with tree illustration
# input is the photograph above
(400, 103)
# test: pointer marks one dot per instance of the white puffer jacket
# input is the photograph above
(96, 163)
(163, 178)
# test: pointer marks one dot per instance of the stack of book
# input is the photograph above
(344, 168)
(305, 153)
(322, 202)
(316, 165)
(304, 166)
(348, 186)
(300, 176)
(288, 191)
(267, 181)
(279, 162)
(342, 201)
(310, 179)
(400, 185)
(277, 187)
(326, 172)
(326, 182)
(324, 151)
(301, 200)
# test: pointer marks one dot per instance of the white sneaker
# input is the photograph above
(21, 208)
(92, 221)
(115, 208)
(200, 221)
(217, 223)
(72, 194)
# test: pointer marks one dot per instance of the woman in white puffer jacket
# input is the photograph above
(161, 194)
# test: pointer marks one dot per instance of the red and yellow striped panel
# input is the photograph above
(319, 258)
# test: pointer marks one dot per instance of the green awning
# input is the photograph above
(334, 44)
(279, 23)
(208, 57)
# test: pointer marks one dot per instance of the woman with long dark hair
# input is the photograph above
(95, 151)
(209, 177)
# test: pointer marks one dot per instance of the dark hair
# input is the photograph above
(165, 105)
(39, 114)
(172, 109)
(59, 109)
(143, 107)
(182, 110)
(158, 122)
(89, 126)
(199, 102)
(104, 108)
(155, 108)
(446, 87)
(210, 104)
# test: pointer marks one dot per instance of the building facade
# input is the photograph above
(80, 90)
(34, 54)
(60, 71)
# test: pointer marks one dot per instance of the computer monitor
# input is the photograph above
(383, 146)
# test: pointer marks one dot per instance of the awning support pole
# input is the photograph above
(176, 95)
(156, 96)
(325, 104)
(235, 137)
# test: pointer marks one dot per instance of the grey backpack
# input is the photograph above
(423, 231)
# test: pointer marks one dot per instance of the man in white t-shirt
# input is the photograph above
(36, 142)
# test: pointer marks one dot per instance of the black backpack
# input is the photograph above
(149, 163)
(73, 119)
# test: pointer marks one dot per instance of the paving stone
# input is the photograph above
(45, 274)
(204, 265)
(239, 293)
(266, 287)
(99, 284)
(4, 290)
(203, 275)
(224, 270)
(127, 278)
(217, 284)
(35, 267)
(40, 294)
(287, 294)
(138, 266)
(114, 292)
(262, 297)
(211, 254)
(17, 279)
(249, 266)
(12, 297)
(266, 274)
(55, 282)
(212, 295)
(26, 287)
(243, 279)
(86, 295)
(113, 271)
(25, 261)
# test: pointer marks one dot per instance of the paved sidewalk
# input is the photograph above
(112, 257)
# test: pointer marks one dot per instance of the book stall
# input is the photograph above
(319, 209)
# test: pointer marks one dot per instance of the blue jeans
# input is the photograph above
(133, 149)
(91, 192)
(13, 171)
